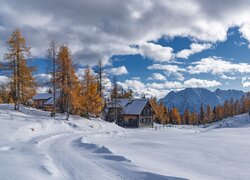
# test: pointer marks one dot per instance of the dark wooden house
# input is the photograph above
(44, 101)
(131, 112)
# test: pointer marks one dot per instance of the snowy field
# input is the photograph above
(34, 146)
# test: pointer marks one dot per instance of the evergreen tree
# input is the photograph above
(52, 53)
(115, 89)
(92, 103)
(166, 118)
(193, 118)
(22, 84)
(67, 82)
(155, 106)
(209, 115)
(231, 107)
(175, 115)
(237, 107)
(202, 115)
(100, 74)
(226, 109)
(186, 117)
(118, 92)
(219, 113)
(214, 114)
(162, 114)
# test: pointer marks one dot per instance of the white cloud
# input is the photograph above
(218, 66)
(223, 76)
(195, 83)
(245, 81)
(156, 52)
(194, 48)
(161, 89)
(139, 89)
(81, 71)
(245, 30)
(169, 70)
(43, 78)
(136, 78)
(157, 76)
(119, 71)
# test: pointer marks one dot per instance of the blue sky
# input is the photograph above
(153, 47)
(234, 49)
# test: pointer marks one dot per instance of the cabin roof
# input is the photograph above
(48, 97)
(42, 96)
(121, 103)
(51, 100)
(135, 107)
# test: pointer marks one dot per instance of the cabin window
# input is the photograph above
(130, 120)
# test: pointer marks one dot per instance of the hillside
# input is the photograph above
(34, 146)
(192, 98)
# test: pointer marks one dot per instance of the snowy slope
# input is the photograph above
(34, 146)
(192, 98)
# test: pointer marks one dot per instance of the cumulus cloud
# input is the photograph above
(195, 83)
(218, 66)
(136, 78)
(156, 52)
(157, 76)
(245, 30)
(223, 76)
(246, 81)
(43, 78)
(119, 71)
(96, 30)
(161, 89)
(194, 48)
(169, 70)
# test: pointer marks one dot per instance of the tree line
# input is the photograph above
(205, 115)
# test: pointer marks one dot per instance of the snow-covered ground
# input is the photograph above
(35, 146)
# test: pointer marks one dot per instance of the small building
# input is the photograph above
(44, 101)
(130, 112)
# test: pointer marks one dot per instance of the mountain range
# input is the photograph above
(192, 98)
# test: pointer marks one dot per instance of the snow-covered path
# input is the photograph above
(34, 146)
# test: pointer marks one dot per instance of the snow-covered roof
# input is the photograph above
(51, 100)
(48, 97)
(43, 96)
(135, 107)
(118, 103)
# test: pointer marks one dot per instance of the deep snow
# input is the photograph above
(35, 146)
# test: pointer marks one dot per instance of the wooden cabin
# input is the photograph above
(44, 101)
(132, 113)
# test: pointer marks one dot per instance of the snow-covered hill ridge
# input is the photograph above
(239, 121)
(35, 146)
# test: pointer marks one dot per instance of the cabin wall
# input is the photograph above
(131, 121)
(39, 103)
(146, 117)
